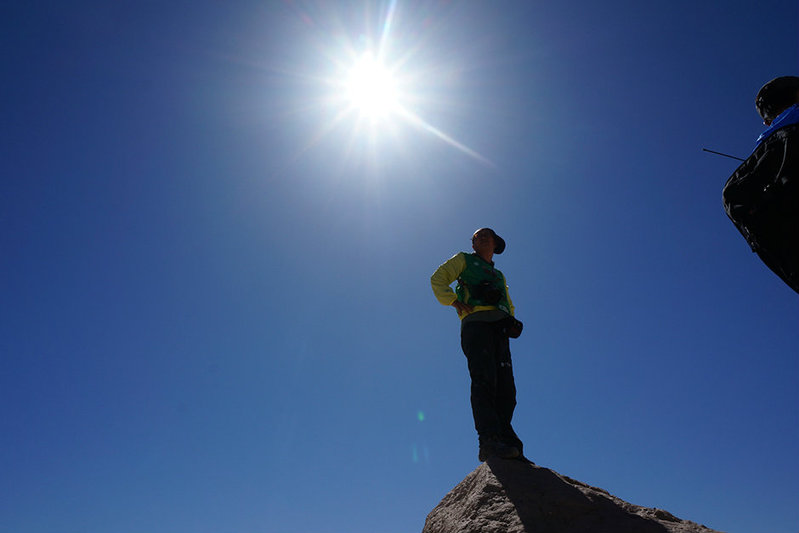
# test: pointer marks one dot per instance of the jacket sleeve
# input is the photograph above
(443, 277)
(507, 294)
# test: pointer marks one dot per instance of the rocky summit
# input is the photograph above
(507, 496)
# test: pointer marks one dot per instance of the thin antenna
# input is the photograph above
(725, 155)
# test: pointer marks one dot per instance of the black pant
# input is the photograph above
(778, 238)
(493, 390)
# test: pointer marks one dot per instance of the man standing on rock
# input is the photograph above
(484, 306)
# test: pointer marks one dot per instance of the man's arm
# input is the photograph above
(443, 277)
(507, 294)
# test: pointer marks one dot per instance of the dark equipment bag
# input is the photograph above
(762, 200)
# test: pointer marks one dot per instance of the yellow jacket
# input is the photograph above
(449, 272)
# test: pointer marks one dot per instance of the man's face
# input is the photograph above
(768, 121)
(483, 242)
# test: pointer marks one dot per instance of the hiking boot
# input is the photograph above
(496, 448)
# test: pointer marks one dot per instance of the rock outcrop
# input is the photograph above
(516, 497)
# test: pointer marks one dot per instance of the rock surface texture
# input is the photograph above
(516, 497)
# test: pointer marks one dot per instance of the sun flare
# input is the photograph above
(379, 91)
(371, 88)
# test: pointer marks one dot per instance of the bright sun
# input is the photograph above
(371, 88)
(375, 91)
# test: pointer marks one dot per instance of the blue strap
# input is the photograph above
(786, 118)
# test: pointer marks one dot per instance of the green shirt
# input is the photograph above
(470, 270)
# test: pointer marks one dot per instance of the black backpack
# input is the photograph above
(762, 200)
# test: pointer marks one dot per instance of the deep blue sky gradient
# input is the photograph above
(216, 313)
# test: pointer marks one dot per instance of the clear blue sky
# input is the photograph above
(216, 313)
